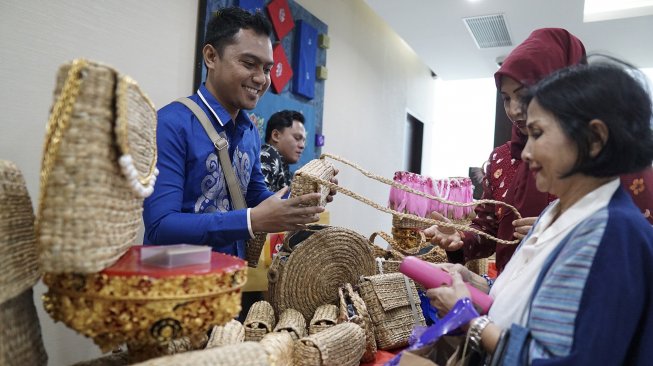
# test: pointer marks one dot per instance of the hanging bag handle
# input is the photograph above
(222, 145)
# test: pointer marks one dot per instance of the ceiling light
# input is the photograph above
(597, 10)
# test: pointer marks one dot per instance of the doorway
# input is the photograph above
(413, 144)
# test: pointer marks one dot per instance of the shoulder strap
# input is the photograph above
(222, 145)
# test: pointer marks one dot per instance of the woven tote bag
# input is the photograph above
(354, 310)
(394, 307)
(340, 254)
(326, 316)
(342, 345)
(99, 163)
(18, 255)
(302, 182)
(20, 339)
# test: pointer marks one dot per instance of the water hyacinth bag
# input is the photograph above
(99, 163)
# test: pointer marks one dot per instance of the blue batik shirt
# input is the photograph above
(191, 203)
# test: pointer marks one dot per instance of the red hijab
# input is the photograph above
(543, 52)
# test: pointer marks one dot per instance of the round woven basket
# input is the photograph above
(247, 353)
(279, 347)
(223, 335)
(353, 309)
(293, 322)
(313, 263)
(259, 321)
(341, 345)
(326, 316)
(90, 210)
(20, 338)
(18, 254)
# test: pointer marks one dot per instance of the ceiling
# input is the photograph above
(436, 32)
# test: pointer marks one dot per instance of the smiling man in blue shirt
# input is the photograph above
(191, 202)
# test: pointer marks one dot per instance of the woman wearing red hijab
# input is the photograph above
(507, 178)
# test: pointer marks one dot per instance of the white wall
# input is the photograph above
(153, 41)
(463, 131)
(374, 80)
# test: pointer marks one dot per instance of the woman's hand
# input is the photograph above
(445, 297)
(467, 275)
(523, 226)
(446, 237)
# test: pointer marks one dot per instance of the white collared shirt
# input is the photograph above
(512, 289)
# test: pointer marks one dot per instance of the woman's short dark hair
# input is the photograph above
(281, 120)
(613, 92)
(226, 22)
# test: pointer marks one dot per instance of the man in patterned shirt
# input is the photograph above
(285, 138)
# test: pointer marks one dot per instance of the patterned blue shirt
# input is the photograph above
(191, 203)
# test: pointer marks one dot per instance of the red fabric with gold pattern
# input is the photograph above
(640, 187)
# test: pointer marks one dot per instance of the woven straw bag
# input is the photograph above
(341, 255)
(341, 345)
(20, 338)
(99, 163)
(20, 269)
(223, 335)
(394, 307)
(292, 321)
(254, 248)
(303, 183)
(259, 321)
(325, 317)
(279, 347)
(425, 250)
(247, 353)
(353, 309)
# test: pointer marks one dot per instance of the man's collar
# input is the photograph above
(218, 111)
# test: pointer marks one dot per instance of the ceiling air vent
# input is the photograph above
(489, 31)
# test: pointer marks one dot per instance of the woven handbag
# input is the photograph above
(325, 317)
(18, 255)
(20, 339)
(292, 321)
(259, 321)
(303, 181)
(341, 345)
(222, 335)
(99, 163)
(342, 256)
(353, 309)
(394, 307)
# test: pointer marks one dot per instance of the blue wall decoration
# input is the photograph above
(311, 106)
(304, 59)
(252, 5)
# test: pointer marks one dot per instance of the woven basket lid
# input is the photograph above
(20, 339)
(18, 253)
(313, 264)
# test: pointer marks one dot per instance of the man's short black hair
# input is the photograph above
(613, 92)
(281, 120)
(226, 22)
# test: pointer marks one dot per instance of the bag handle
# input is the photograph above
(222, 145)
